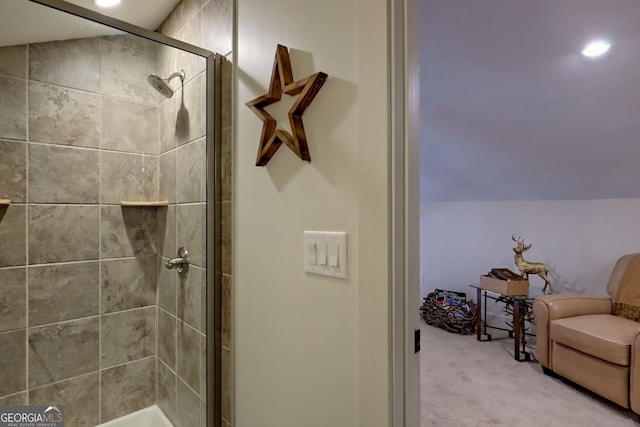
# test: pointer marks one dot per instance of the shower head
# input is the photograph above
(161, 84)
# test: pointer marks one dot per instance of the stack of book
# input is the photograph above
(505, 274)
(451, 298)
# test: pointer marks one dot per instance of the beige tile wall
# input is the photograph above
(181, 374)
(209, 23)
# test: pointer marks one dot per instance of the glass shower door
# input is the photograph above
(102, 179)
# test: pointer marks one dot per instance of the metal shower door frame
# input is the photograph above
(213, 220)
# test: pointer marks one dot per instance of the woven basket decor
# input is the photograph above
(453, 318)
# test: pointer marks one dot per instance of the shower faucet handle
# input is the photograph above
(181, 262)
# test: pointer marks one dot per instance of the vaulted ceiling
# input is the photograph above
(510, 110)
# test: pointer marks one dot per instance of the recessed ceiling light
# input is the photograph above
(106, 3)
(596, 48)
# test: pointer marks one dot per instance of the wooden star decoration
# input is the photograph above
(282, 81)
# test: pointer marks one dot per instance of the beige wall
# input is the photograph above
(313, 351)
(580, 240)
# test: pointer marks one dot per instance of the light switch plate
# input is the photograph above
(333, 246)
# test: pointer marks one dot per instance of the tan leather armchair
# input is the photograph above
(592, 340)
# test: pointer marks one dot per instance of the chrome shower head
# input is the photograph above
(161, 84)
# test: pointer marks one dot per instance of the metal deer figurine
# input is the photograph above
(527, 267)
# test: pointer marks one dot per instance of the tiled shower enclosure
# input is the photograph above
(89, 316)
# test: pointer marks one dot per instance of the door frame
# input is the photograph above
(404, 212)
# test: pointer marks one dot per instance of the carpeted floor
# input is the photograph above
(465, 382)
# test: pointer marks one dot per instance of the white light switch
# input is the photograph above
(322, 253)
(334, 250)
(311, 253)
(330, 250)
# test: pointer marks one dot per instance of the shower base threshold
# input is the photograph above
(151, 416)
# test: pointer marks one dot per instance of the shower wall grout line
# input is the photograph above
(61, 322)
(173, 371)
(85, 91)
(97, 371)
(89, 317)
(82, 147)
(88, 92)
(100, 272)
(188, 386)
(174, 188)
(26, 234)
(49, 264)
(144, 52)
(85, 205)
(156, 397)
(127, 310)
(128, 362)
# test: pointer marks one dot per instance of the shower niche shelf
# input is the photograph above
(5, 202)
(149, 204)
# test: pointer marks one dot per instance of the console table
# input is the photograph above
(521, 308)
